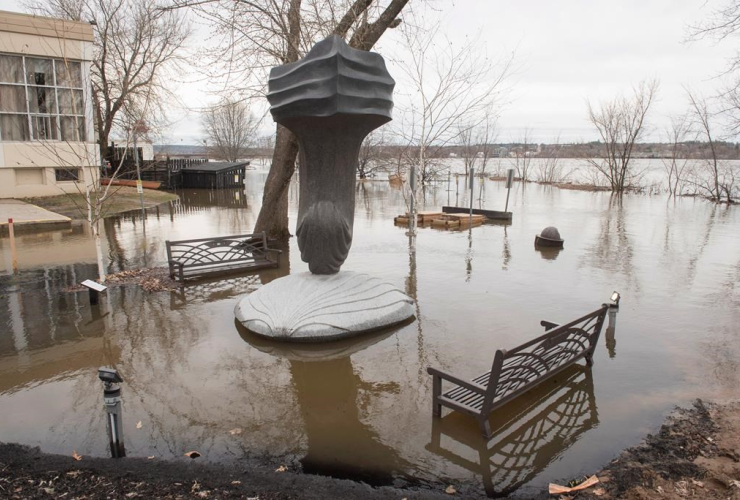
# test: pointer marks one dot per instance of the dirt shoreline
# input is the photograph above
(695, 454)
(28, 473)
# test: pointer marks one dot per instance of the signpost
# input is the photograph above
(94, 288)
(472, 187)
(509, 182)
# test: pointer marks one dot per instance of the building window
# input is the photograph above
(67, 174)
(41, 99)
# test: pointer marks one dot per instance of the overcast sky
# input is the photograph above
(567, 51)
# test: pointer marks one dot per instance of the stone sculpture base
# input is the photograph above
(315, 308)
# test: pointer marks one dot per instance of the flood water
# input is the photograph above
(362, 408)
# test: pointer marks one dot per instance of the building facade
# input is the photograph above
(47, 140)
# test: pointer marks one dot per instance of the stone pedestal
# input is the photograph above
(314, 308)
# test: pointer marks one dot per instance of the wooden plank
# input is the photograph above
(131, 183)
(490, 214)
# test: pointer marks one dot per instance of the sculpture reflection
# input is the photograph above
(332, 400)
(529, 434)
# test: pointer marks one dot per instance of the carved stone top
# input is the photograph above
(333, 78)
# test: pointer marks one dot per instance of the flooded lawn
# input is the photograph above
(362, 408)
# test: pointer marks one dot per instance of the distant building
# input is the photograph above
(47, 144)
(144, 145)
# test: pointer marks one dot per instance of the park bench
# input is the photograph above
(516, 371)
(191, 259)
(528, 434)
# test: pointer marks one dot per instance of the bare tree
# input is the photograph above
(372, 158)
(485, 136)
(620, 123)
(550, 167)
(231, 128)
(449, 86)
(523, 156)
(136, 43)
(716, 179)
(90, 197)
(468, 147)
(677, 163)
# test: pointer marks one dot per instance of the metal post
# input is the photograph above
(509, 182)
(13, 254)
(611, 341)
(448, 187)
(472, 187)
(94, 295)
(113, 410)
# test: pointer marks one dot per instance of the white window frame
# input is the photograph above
(56, 116)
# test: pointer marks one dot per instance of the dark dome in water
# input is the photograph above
(333, 78)
(551, 233)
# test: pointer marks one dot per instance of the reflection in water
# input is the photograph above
(610, 334)
(469, 257)
(548, 253)
(529, 433)
(333, 399)
(505, 251)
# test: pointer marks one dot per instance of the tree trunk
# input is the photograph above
(98, 251)
(273, 217)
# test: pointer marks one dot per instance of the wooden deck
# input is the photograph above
(442, 220)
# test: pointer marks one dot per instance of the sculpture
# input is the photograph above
(331, 100)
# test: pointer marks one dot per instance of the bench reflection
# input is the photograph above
(528, 434)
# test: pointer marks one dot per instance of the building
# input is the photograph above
(47, 144)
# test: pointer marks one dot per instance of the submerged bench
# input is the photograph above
(517, 370)
(191, 259)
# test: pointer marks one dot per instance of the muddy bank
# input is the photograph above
(27, 473)
(123, 199)
(695, 454)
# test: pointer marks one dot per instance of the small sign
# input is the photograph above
(509, 178)
(139, 187)
(94, 285)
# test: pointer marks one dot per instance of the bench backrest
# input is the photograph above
(516, 371)
(210, 251)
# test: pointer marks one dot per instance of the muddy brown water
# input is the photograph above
(361, 408)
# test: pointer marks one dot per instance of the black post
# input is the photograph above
(94, 296)
(113, 410)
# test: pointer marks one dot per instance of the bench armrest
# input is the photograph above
(467, 384)
(549, 325)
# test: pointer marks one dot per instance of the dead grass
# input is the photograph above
(123, 200)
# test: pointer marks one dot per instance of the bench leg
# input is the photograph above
(436, 393)
(485, 426)
(589, 357)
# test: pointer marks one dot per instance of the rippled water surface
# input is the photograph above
(362, 408)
